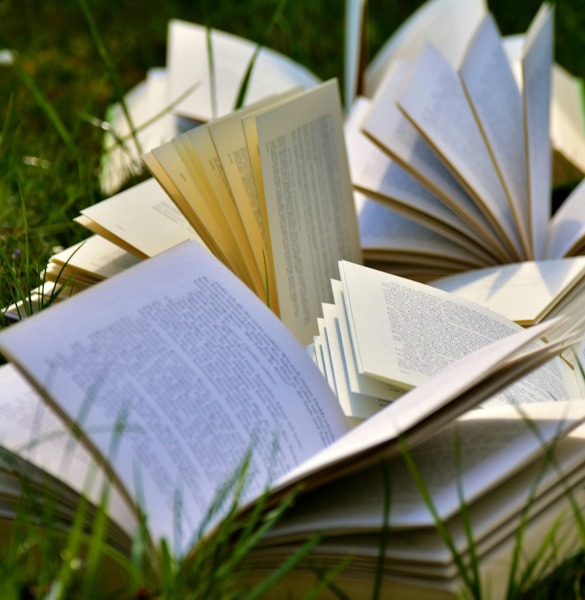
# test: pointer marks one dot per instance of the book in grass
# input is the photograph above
(267, 189)
(174, 371)
(478, 151)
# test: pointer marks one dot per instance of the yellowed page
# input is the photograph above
(213, 227)
(523, 292)
(497, 104)
(309, 201)
(95, 257)
(200, 372)
(387, 126)
(144, 217)
(229, 139)
(405, 332)
(536, 74)
(213, 208)
(186, 196)
(435, 102)
(203, 150)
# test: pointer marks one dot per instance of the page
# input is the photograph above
(354, 405)
(447, 24)
(494, 449)
(435, 102)
(309, 201)
(424, 410)
(566, 229)
(203, 149)
(144, 217)
(497, 104)
(354, 50)
(211, 97)
(374, 173)
(523, 292)
(385, 232)
(94, 257)
(30, 430)
(404, 332)
(389, 128)
(194, 372)
(567, 120)
(358, 383)
(536, 75)
(210, 224)
(230, 143)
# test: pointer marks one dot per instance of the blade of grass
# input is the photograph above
(47, 108)
(109, 66)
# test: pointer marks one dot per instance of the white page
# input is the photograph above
(522, 292)
(495, 445)
(326, 355)
(31, 430)
(497, 103)
(144, 217)
(405, 332)
(354, 49)
(384, 230)
(374, 173)
(389, 128)
(358, 383)
(435, 102)
(204, 369)
(469, 375)
(447, 24)
(309, 202)
(188, 67)
(95, 256)
(353, 405)
(536, 75)
(566, 230)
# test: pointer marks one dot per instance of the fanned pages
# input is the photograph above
(475, 132)
(268, 190)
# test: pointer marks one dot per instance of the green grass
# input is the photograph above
(73, 59)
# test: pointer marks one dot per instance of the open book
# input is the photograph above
(464, 150)
(173, 370)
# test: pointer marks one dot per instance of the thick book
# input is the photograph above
(463, 149)
(173, 371)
